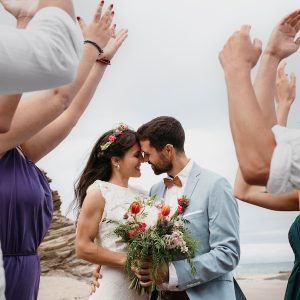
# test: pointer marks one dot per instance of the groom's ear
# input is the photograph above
(169, 148)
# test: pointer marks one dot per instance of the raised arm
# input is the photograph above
(247, 122)
(48, 138)
(252, 134)
(257, 195)
(39, 110)
(50, 48)
(285, 94)
(281, 44)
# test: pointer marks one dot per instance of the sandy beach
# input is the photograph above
(60, 286)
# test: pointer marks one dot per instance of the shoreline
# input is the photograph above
(58, 285)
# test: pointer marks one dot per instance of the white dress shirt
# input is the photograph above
(43, 55)
(2, 278)
(285, 165)
(170, 197)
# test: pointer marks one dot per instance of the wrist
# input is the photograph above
(22, 22)
(236, 74)
(271, 55)
(122, 260)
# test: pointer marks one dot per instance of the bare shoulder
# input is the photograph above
(94, 202)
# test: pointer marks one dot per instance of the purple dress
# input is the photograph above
(25, 216)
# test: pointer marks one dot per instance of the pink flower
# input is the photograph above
(132, 232)
(142, 226)
(125, 216)
(181, 200)
(180, 209)
(111, 138)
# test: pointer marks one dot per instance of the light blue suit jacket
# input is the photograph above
(213, 220)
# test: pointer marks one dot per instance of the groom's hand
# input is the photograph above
(143, 273)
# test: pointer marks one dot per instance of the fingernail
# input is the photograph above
(78, 18)
(112, 12)
(102, 2)
(111, 6)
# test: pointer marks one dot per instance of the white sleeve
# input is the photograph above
(42, 56)
(173, 281)
(285, 164)
(2, 278)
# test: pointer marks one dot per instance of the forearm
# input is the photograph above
(51, 136)
(87, 61)
(8, 106)
(208, 266)
(28, 121)
(98, 255)
(66, 5)
(264, 86)
(253, 139)
(256, 195)
(282, 114)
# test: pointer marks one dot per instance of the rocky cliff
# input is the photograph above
(57, 251)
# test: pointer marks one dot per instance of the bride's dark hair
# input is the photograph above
(112, 143)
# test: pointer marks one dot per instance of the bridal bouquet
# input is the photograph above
(153, 235)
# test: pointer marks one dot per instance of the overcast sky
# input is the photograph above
(169, 66)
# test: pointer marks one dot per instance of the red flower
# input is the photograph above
(135, 207)
(165, 210)
(132, 232)
(181, 200)
(180, 209)
(142, 226)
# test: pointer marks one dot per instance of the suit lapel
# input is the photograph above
(192, 181)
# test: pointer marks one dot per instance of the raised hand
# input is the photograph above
(285, 94)
(239, 51)
(99, 30)
(114, 43)
(22, 10)
(282, 41)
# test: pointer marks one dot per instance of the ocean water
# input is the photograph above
(263, 268)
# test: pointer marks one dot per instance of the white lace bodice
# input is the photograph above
(117, 201)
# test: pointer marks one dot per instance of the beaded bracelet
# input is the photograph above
(103, 61)
(95, 45)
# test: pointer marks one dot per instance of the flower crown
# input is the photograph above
(112, 137)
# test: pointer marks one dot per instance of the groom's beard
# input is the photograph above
(163, 167)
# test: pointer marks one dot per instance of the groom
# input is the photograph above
(212, 214)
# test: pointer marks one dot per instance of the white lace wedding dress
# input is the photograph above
(114, 283)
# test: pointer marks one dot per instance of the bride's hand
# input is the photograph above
(22, 10)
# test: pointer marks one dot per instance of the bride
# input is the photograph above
(102, 194)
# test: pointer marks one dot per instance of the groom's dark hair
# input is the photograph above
(162, 131)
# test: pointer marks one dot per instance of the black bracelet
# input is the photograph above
(103, 61)
(95, 45)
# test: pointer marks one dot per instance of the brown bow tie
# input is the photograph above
(169, 182)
